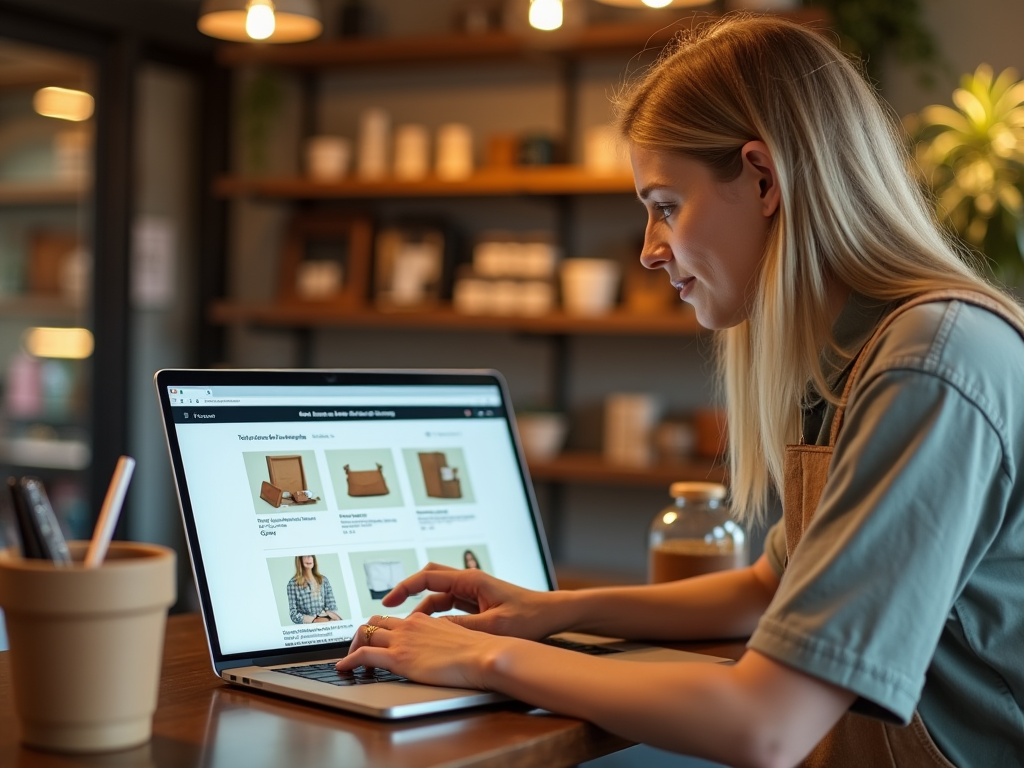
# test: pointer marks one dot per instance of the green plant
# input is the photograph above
(972, 157)
(870, 28)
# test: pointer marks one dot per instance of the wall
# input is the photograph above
(162, 295)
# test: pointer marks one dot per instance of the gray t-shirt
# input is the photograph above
(908, 586)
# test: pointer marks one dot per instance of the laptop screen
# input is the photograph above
(306, 502)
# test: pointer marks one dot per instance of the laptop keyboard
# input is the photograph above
(326, 673)
(590, 650)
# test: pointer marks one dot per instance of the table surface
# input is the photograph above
(201, 721)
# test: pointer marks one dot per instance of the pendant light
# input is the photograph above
(546, 15)
(654, 3)
(270, 21)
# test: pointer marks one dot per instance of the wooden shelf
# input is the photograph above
(45, 454)
(538, 180)
(591, 468)
(33, 307)
(311, 315)
(453, 48)
(42, 192)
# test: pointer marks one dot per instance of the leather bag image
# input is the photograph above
(440, 480)
(367, 482)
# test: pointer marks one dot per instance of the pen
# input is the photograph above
(111, 510)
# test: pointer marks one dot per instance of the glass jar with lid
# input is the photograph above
(695, 534)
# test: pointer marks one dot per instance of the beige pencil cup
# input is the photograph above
(87, 644)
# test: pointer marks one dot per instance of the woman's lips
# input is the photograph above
(684, 286)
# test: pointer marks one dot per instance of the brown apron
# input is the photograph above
(856, 740)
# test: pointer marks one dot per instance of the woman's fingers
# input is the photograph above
(435, 602)
(365, 635)
(367, 656)
(440, 580)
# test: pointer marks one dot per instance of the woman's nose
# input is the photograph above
(656, 252)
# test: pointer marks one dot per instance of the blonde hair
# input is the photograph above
(300, 576)
(850, 212)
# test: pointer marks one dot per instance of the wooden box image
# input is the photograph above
(287, 473)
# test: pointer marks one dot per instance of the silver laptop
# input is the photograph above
(307, 495)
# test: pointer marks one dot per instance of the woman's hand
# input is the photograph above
(424, 649)
(494, 606)
(333, 615)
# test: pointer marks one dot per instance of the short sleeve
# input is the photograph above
(866, 594)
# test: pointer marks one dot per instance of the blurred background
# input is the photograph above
(425, 184)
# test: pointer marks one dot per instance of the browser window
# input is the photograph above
(311, 503)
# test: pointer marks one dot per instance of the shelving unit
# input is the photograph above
(312, 315)
(559, 184)
(14, 193)
(46, 307)
(540, 180)
(584, 467)
(490, 46)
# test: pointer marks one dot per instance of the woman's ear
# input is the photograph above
(758, 162)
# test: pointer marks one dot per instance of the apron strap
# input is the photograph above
(953, 294)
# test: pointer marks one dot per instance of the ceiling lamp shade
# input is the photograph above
(654, 3)
(270, 21)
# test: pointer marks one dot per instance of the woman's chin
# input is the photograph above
(714, 319)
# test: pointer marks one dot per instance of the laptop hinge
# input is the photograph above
(299, 658)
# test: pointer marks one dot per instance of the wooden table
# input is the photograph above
(202, 722)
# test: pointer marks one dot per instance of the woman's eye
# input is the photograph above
(664, 210)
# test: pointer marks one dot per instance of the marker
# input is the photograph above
(112, 504)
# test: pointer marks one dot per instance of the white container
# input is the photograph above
(629, 421)
(318, 279)
(536, 298)
(472, 296)
(590, 286)
(542, 434)
(454, 152)
(374, 138)
(505, 297)
(539, 260)
(412, 152)
(328, 157)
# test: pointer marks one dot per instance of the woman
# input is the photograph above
(310, 597)
(469, 561)
(780, 207)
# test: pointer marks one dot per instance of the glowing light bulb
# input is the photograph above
(546, 14)
(259, 19)
(63, 103)
(656, 3)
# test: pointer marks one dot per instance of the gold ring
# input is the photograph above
(369, 630)
(383, 619)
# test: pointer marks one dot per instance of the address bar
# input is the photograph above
(353, 401)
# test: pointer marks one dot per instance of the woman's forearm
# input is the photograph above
(757, 713)
(723, 604)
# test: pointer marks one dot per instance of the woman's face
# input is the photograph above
(709, 236)
(307, 561)
(470, 560)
